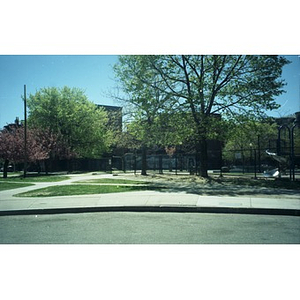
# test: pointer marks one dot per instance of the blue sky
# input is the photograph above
(93, 74)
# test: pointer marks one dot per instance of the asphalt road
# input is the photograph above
(149, 228)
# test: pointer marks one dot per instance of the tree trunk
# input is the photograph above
(5, 168)
(144, 161)
(201, 158)
(160, 160)
(47, 162)
(134, 163)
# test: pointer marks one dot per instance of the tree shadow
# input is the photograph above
(219, 187)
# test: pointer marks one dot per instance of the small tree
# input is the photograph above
(12, 147)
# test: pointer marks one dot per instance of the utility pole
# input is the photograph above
(25, 132)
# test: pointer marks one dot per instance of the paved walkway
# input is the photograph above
(286, 204)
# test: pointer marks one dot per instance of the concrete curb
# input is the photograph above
(162, 208)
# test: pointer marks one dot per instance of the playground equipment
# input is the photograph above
(272, 173)
(280, 159)
(275, 172)
(284, 163)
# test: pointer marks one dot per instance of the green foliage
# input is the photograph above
(146, 100)
(243, 134)
(247, 135)
(125, 140)
(66, 112)
(201, 85)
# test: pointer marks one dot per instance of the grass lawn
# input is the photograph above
(12, 185)
(36, 178)
(69, 190)
(114, 181)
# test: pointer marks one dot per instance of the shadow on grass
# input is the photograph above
(230, 187)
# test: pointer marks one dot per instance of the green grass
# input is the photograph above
(12, 185)
(37, 178)
(70, 190)
(114, 181)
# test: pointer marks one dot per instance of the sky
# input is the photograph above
(91, 73)
(94, 75)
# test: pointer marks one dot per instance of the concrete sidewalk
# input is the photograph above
(144, 201)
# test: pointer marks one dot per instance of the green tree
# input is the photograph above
(145, 104)
(78, 123)
(205, 85)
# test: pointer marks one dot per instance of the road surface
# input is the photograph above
(149, 228)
